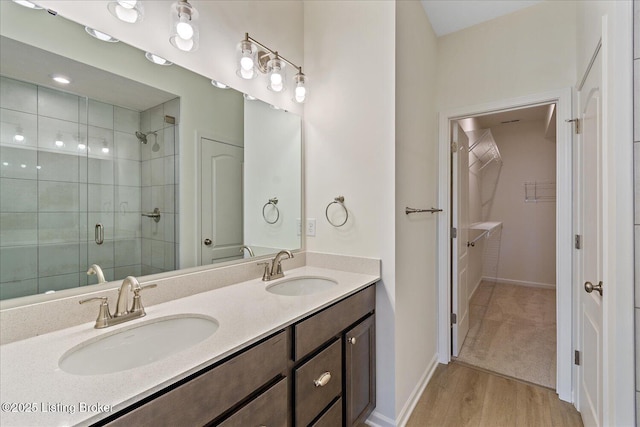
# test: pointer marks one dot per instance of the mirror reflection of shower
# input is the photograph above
(142, 137)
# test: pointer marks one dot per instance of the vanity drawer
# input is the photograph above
(331, 418)
(321, 327)
(310, 397)
(268, 409)
(208, 395)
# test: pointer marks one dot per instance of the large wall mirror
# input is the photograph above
(90, 170)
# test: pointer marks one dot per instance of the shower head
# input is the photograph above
(142, 137)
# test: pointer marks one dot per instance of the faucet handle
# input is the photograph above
(267, 274)
(104, 314)
(136, 306)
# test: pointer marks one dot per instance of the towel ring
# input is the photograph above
(273, 202)
(339, 201)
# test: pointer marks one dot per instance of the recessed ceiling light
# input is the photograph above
(219, 85)
(26, 3)
(157, 59)
(61, 79)
(100, 35)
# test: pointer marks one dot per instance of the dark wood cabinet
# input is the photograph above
(318, 372)
(360, 371)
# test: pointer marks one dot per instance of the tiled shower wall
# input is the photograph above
(160, 186)
(636, 151)
(79, 164)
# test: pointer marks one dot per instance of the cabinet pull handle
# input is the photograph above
(322, 379)
(352, 340)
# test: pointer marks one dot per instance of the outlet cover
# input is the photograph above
(311, 226)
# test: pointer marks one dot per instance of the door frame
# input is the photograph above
(564, 225)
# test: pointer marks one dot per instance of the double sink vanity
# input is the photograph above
(293, 351)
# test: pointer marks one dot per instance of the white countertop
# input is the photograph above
(30, 378)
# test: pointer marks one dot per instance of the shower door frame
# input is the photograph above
(564, 226)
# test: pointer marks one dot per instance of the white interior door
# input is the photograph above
(221, 208)
(590, 304)
(460, 222)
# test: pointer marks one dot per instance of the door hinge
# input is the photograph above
(454, 318)
(576, 357)
(454, 233)
(577, 122)
(578, 241)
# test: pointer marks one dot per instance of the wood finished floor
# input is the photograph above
(459, 395)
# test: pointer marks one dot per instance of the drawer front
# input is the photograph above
(311, 397)
(205, 397)
(321, 327)
(268, 409)
(331, 418)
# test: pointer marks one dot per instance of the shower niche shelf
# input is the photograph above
(484, 148)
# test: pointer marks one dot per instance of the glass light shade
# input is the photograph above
(129, 11)
(276, 73)
(100, 35)
(300, 91)
(246, 54)
(184, 28)
(159, 60)
(28, 4)
(18, 137)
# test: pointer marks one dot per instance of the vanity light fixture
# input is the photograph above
(105, 148)
(184, 29)
(100, 35)
(219, 85)
(81, 146)
(27, 4)
(59, 142)
(129, 11)
(254, 57)
(159, 60)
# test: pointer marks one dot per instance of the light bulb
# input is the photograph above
(126, 14)
(246, 63)
(5, 163)
(61, 79)
(23, 166)
(277, 87)
(81, 146)
(184, 28)
(276, 79)
(28, 4)
(128, 4)
(18, 137)
(182, 44)
(301, 93)
(105, 150)
(59, 143)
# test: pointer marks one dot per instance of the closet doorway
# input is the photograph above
(505, 279)
(503, 169)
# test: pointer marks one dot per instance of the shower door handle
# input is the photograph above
(99, 234)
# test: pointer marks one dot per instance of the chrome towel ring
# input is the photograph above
(273, 202)
(339, 201)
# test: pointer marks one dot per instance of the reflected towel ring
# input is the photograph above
(273, 202)
(339, 201)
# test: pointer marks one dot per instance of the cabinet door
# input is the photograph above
(360, 370)
(268, 409)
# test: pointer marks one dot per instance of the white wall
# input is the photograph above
(529, 51)
(528, 237)
(349, 138)
(272, 168)
(416, 186)
(223, 24)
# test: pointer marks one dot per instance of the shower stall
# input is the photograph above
(83, 182)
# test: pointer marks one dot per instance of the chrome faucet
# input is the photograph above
(275, 272)
(97, 271)
(122, 313)
(248, 249)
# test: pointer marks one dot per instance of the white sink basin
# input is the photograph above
(137, 346)
(297, 286)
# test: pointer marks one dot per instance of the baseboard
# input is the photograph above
(475, 288)
(376, 419)
(519, 282)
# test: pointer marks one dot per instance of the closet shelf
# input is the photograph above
(487, 229)
(483, 147)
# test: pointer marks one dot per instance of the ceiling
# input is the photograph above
(448, 16)
(521, 115)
